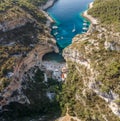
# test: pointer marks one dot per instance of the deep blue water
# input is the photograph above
(68, 16)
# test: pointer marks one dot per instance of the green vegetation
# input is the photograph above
(27, 5)
(108, 12)
(74, 93)
(17, 42)
(6, 4)
(36, 91)
(81, 101)
(104, 71)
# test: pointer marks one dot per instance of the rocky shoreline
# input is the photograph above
(33, 59)
(79, 53)
(85, 14)
(48, 4)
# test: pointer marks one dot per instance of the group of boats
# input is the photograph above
(55, 27)
(85, 28)
(56, 33)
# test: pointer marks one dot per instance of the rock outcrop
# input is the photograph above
(48, 4)
(25, 38)
(94, 64)
(9, 22)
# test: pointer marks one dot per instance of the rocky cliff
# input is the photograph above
(24, 39)
(91, 91)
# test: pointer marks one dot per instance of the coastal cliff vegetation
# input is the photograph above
(91, 91)
(22, 23)
(24, 38)
(108, 12)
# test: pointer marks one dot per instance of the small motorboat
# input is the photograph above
(85, 24)
(74, 29)
(85, 28)
(54, 27)
(55, 33)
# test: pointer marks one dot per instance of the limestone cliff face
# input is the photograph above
(24, 39)
(11, 19)
(95, 57)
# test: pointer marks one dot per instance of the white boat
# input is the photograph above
(54, 27)
(85, 24)
(83, 32)
(61, 37)
(55, 33)
(85, 21)
(84, 28)
(73, 29)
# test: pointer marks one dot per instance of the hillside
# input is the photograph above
(108, 12)
(91, 91)
(24, 39)
(21, 24)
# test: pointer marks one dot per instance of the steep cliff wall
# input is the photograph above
(24, 39)
(91, 91)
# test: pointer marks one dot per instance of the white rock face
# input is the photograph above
(50, 95)
(112, 46)
(115, 109)
(94, 40)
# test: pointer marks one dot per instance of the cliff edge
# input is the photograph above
(24, 39)
(91, 91)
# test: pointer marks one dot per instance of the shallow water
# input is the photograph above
(54, 57)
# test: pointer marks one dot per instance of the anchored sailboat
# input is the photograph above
(74, 29)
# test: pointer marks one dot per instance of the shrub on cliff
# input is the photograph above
(108, 12)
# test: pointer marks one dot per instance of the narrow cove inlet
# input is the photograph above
(68, 22)
(60, 60)
(44, 74)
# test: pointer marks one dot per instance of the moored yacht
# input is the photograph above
(54, 27)
(74, 29)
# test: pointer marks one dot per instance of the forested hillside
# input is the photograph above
(92, 89)
(108, 12)
(24, 38)
(21, 24)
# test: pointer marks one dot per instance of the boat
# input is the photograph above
(55, 33)
(85, 28)
(54, 27)
(61, 37)
(73, 29)
(83, 32)
(85, 24)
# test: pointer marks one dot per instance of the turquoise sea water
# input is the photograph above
(68, 20)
